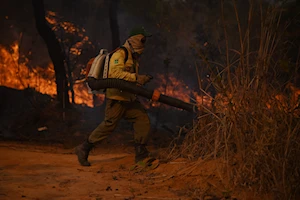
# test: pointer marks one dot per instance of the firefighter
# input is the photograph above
(121, 104)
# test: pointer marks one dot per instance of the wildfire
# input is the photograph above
(68, 28)
(15, 72)
(19, 75)
(173, 87)
(289, 103)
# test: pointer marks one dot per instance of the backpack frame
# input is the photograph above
(98, 67)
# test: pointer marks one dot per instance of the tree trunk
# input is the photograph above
(113, 21)
(55, 52)
(70, 78)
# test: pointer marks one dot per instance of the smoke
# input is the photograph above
(167, 43)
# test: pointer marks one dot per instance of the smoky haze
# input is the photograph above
(179, 28)
(167, 42)
(170, 43)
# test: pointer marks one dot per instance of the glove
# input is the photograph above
(143, 79)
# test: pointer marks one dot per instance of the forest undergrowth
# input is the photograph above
(252, 126)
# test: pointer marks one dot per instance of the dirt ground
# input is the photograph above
(46, 172)
(39, 172)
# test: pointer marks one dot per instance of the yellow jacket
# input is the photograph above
(126, 71)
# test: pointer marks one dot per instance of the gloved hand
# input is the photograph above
(143, 79)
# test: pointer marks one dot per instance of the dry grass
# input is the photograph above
(251, 128)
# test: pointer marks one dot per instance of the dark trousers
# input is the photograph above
(130, 111)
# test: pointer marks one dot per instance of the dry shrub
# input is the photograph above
(251, 128)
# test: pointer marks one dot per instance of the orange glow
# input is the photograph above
(176, 88)
(15, 72)
(289, 103)
(19, 75)
(173, 87)
(51, 17)
(68, 28)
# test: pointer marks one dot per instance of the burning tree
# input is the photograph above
(73, 42)
(66, 42)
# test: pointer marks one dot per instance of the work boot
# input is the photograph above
(82, 151)
(141, 152)
(144, 161)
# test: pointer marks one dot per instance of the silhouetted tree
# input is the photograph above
(55, 52)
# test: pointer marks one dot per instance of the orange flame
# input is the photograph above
(16, 74)
(68, 28)
(289, 103)
(19, 75)
(173, 87)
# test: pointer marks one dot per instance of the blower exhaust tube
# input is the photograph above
(98, 84)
